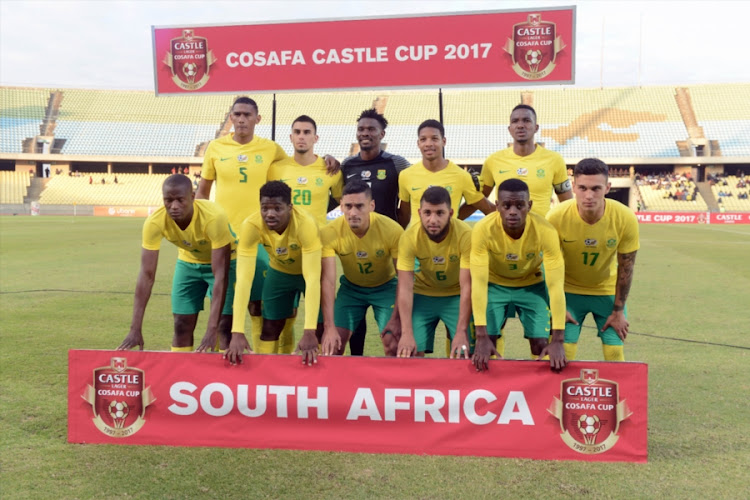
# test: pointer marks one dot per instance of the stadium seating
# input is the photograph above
(131, 189)
(724, 113)
(21, 114)
(656, 200)
(732, 203)
(13, 186)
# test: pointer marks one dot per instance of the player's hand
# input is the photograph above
(308, 348)
(460, 346)
(569, 318)
(394, 327)
(619, 323)
(556, 353)
(483, 350)
(390, 343)
(330, 344)
(134, 338)
(208, 344)
(237, 346)
(407, 346)
(333, 166)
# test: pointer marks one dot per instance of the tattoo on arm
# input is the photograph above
(625, 265)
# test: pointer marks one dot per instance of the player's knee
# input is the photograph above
(272, 329)
(254, 308)
(537, 346)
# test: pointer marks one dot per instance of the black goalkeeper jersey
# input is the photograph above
(381, 173)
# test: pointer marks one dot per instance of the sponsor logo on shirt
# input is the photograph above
(511, 256)
(522, 171)
(590, 242)
(380, 252)
(366, 174)
(242, 158)
(294, 246)
(453, 258)
(302, 180)
(529, 255)
(258, 158)
(362, 255)
(281, 251)
(438, 260)
(540, 173)
(318, 181)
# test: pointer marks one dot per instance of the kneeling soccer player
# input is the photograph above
(291, 235)
(507, 251)
(201, 231)
(599, 239)
(367, 245)
(440, 288)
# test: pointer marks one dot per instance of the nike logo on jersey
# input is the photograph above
(568, 241)
(415, 189)
(225, 159)
(503, 171)
(344, 254)
(350, 176)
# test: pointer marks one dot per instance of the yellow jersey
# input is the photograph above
(295, 251)
(497, 258)
(366, 261)
(436, 266)
(239, 171)
(310, 185)
(541, 171)
(413, 181)
(209, 229)
(590, 250)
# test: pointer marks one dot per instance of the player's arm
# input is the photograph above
(204, 189)
(479, 267)
(247, 252)
(220, 258)
(460, 344)
(311, 271)
(407, 346)
(404, 207)
(143, 287)
(617, 320)
(207, 170)
(561, 182)
(393, 326)
(404, 213)
(333, 166)
(554, 277)
(484, 205)
(331, 341)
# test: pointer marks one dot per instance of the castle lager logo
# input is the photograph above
(118, 398)
(534, 47)
(589, 412)
(190, 60)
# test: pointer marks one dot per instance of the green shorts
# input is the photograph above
(353, 300)
(530, 302)
(600, 306)
(281, 293)
(192, 282)
(428, 311)
(261, 267)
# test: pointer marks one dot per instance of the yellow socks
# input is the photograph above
(500, 346)
(613, 352)
(267, 346)
(571, 350)
(286, 339)
(256, 326)
(182, 349)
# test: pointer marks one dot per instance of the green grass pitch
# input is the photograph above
(68, 283)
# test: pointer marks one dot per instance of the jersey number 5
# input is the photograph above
(243, 174)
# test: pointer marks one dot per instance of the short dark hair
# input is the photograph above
(306, 119)
(591, 166)
(178, 180)
(276, 189)
(246, 100)
(512, 186)
(371, 113)
(432, 124)
(525, 106)
(355, 187)
(436, 195)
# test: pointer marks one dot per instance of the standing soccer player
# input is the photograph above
(599, 239)
(307, 173)
(294, 267)
(439, 289)
(380, 170)
(434, 170)
(367, 245)
(200, 230)
(508, 249)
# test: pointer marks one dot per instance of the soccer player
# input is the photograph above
(294, 267)
(508, 249)
(434, 170)
(239, 164)
(599, 239)
(541, 169)
(439, 289)
(306, 173)
(200, 230)
(380, 170)
(367, 245)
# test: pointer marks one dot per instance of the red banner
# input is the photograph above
(672, 217)
(730, 218)
(440, 50)
(593, 411)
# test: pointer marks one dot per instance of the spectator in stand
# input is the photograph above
(115, 181)
(91, 180)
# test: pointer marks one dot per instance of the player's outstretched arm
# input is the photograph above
(555, 351)
(483, 350)
(220, 258)
(331, 341)
(333, 166)
(617, 320)
(484, 205)
(237, 347)
(308, 347)
(394, 323)
(143, 287)
(460, 344)
(407, 346)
